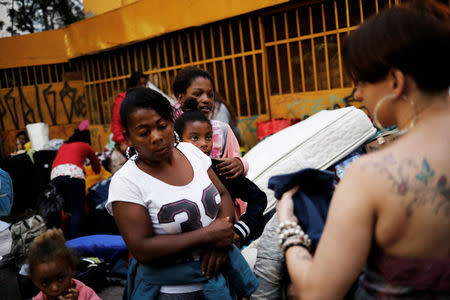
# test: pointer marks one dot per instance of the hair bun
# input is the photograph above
(189, 104)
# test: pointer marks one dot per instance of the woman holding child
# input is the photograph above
(168, 204)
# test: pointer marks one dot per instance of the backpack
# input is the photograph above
(23, 234)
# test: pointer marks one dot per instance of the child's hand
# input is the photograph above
(72, 294)
(230, 167)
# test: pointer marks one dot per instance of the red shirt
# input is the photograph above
(116, 124)
(76, 153)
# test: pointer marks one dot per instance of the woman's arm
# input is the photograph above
(95, 162)
(214, 258)
(345, 243)
(136, 228)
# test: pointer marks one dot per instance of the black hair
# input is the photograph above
(186, 76)
(189, 104)
(80, 136)
(189, 117)
(133, 81)
(191, 114)
(413, 39)
(49, 246)
(22, 132)
(145, 98)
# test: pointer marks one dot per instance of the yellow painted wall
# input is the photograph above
(248, 126)
(134, 22)
(97, 7)
(54, 104)
(99, 136)
(303, 105)
(297, 106)
(48, 47)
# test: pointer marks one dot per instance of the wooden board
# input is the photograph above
(303, 105)
(55, 104)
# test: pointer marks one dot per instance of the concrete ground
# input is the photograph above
(111, 293)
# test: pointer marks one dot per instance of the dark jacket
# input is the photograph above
(251, 223)
(312, 200)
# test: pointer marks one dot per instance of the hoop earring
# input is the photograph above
(412, 123)
(177, 138)
(130, 155)
(377, 108)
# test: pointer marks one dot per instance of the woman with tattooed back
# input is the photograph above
(390, 215)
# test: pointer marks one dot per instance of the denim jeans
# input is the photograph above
(270, 267)
(185, 296)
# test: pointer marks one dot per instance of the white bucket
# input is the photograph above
(38, 134)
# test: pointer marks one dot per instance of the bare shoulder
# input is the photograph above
(416, 180)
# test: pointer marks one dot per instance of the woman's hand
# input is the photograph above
(212, 261)
(285, 206)
(230, 167)
(221, 232)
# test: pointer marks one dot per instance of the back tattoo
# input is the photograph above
(417, 183)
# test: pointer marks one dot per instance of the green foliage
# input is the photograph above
(30, 16)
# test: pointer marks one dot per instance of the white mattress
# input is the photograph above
(317, 142)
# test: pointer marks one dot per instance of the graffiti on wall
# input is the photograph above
(99, 136)
(299, 106)
(248, 127)
(305, 107)
(54, 104)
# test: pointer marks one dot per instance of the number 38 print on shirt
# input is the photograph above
(210, 208)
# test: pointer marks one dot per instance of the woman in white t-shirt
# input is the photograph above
(167, 202)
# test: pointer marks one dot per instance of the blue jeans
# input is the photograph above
(73, 192)
(185, 296)
(270, 267)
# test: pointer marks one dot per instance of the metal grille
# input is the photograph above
(303, 44)
(34, 75)
(230, 50)
(292, 50)
(288, 50)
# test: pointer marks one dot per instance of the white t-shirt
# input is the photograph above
(172, 209)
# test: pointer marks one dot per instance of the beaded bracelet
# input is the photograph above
(289, 229)
(286, 230)
(292, 245)
(294, 241)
